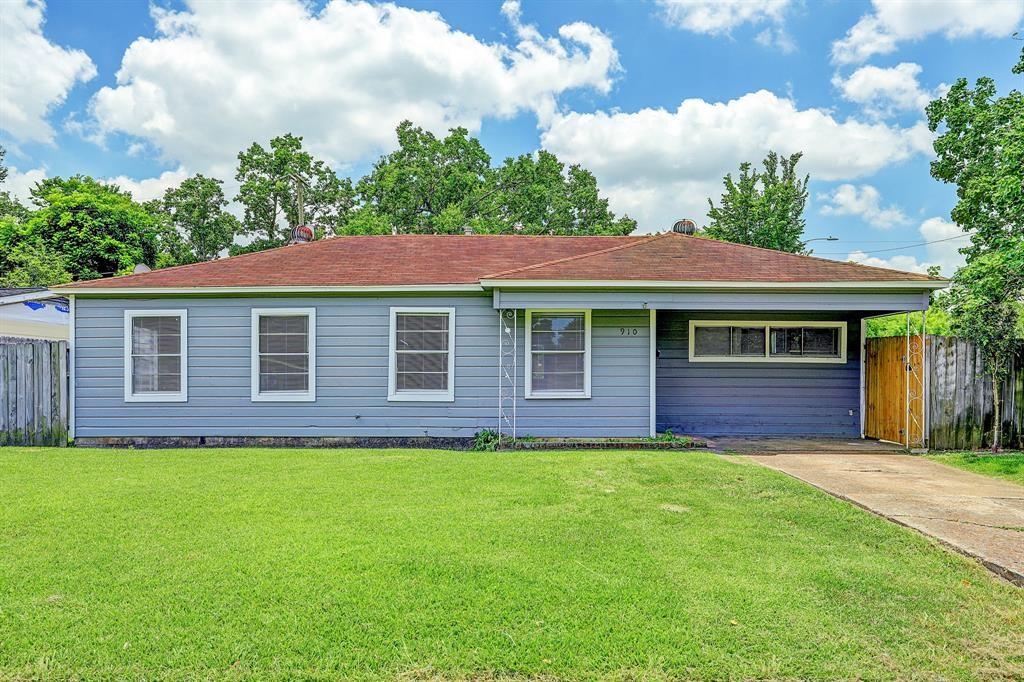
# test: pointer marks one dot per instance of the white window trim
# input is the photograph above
(767, 357)
(162, 396)
(587, 352)
(254, 356)
(444, 396)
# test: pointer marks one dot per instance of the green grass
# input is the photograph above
(247, 563)
(1008, 465)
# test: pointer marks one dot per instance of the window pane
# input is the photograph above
(421, 351)
(284, 343)
(711, 341)
(558, 331)
(415, 322)
(747, 341)
(417, 381)
(558, 372)
(156, 335)
(284, 364)
(787, 341)
(283, 382)
(284, 324)
(821, 342)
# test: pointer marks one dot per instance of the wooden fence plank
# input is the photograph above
(33, 393)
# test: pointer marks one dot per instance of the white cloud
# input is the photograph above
(864, 201)
(35, 74)
(947, 239)
(20, 184)
(893, 21)
(218, 76)
(717, 17)
(659, 165)
(885, 91)
(150, 188)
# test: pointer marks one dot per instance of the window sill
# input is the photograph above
(283, 397)
(156, 398)
(556, 395)
(739, 359)
(422, 396)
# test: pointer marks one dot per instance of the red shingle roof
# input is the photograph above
(406, 260)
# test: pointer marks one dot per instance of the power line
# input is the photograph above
(895, 248)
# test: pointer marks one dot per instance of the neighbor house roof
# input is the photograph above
(430, 260)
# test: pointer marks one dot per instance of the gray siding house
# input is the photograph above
(417, 336)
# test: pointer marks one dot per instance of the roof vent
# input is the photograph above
(140, 268)
(467, 229)
(685, 226)
(301, 234)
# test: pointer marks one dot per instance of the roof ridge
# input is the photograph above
(808, 256)
(588, 254)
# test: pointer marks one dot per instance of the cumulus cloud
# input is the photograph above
(150, 188)
(658, 165)
(864, 201)
(895, 21)
(885, 91)
(19, 183)
(219, 75)
(947, 239)
(720, 17)
(35, 74)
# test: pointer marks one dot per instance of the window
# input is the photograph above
(421, 354)
(558, 354)
(283, 354)
(155, 358)
(746, 341)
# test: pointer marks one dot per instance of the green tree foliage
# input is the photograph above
(268, 191)
(439, 186)
(428, 185)
(9, 205)
(981, 151)
(94, 227)
(984, 303)
(939, 323)
(762, 208)
(31, 264)
(195, 209)
(538, 195)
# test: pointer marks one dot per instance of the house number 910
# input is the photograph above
(628, 331)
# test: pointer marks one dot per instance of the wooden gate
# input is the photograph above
(894, 390)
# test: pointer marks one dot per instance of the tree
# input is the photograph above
(31, 264)
(96, 228)
(984, 302)
(9, 205)
(428, 185)
(762, 208)
(537, 195)
(439, 186)
(268, 180)
(981, 151)
(195, 209)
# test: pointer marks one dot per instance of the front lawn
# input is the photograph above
(367, 564)
(1008, 465)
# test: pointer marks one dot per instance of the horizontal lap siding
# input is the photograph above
(351, 376)
(785, 399)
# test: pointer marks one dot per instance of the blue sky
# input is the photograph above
(658, 98)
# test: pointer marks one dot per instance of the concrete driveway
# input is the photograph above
(979, 516)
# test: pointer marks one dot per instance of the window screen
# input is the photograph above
(728, 341)
(156, 354)
(806, 342)
(421, 351)
(283, 353)
(558, 347)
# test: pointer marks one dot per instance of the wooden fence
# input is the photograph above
(34, 393)
(960, 408)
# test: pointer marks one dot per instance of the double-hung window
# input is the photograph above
(756, 341)
(557, 353)
(283, 354)
(421, 357)
(155, 356)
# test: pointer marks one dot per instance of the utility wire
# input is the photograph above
(895, 248)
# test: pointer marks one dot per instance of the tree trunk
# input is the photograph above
(997, 424)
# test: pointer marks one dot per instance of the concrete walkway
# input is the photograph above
(980, 516)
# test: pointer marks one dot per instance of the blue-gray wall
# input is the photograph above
(784, 399)
(352, 366)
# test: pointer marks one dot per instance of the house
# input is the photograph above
(443, 336)
(33, 313)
